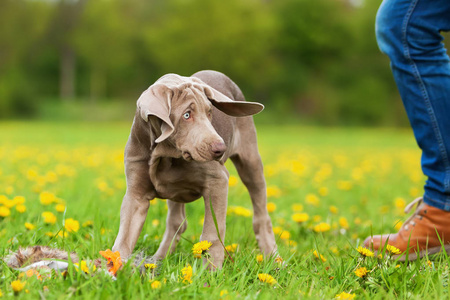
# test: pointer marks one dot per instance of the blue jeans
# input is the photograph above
(408, 31)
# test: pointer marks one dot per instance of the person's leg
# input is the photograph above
(408, 31)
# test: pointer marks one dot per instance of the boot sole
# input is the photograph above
(415, 255)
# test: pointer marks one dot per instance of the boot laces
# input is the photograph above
(408, 209)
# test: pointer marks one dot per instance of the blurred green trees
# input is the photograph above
(315, 60)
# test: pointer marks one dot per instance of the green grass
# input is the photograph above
(361, 176)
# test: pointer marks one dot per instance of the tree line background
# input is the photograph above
(311, 60)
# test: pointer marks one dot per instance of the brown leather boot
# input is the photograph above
(419, 234)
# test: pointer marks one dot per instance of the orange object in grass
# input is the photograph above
(114, 260)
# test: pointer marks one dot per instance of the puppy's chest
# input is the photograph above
(177, 180)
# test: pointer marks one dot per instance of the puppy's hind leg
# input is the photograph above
(250, 169)
(176, 224)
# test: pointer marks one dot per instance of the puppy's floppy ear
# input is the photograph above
(230, 107)
(156, 101)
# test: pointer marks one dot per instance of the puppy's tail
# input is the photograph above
(41, 255)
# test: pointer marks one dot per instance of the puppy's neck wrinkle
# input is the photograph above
(161, 150)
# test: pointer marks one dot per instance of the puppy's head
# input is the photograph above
(179, 110)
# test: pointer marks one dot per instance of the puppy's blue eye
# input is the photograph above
(187, 115)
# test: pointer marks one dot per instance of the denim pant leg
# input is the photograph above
(408, 31)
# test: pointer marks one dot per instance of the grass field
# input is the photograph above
(328, 189)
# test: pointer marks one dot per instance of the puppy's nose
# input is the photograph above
(218, 149)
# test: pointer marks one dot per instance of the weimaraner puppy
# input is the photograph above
(184, 130)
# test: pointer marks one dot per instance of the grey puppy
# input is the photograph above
(184, 130)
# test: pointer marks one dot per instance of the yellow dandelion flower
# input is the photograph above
(414, 192)
(37, 188)
(271, 207)
(19, 200)
(317, 218)
(323, 191)
(63, 234)
(322, 227)
(156, 284)
(319, 256)
(398, 225)
(239, 211)
(51, 177)
(155, 222)
(266, 278)
(21, 208)
(60, 208)
(17, 286)
(32, 174)
(88, 224)
(300, 217)
(273, 191)
(102, 185)
(297, 207)
(259, 258)
(285, 235)
(384, 209)
(29, 226)
(150, 266)
(361, 272)
(344, 185)
(400, 203)
(186, 274)
(47, 198)
(9, 190)
(279, 260)
(232, 181)
(85, 268)
(365, 252)
(4, 211)
(343, 222)
(312, 199)
(334, 210)
(71, 225)
(277, 230)
(231, 248)
(393, 250)
(49, 217)
(9, 203)
(1, 294)
(200, 248)
(345, 296)
(223, 293)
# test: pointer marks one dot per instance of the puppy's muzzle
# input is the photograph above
(218, 149)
